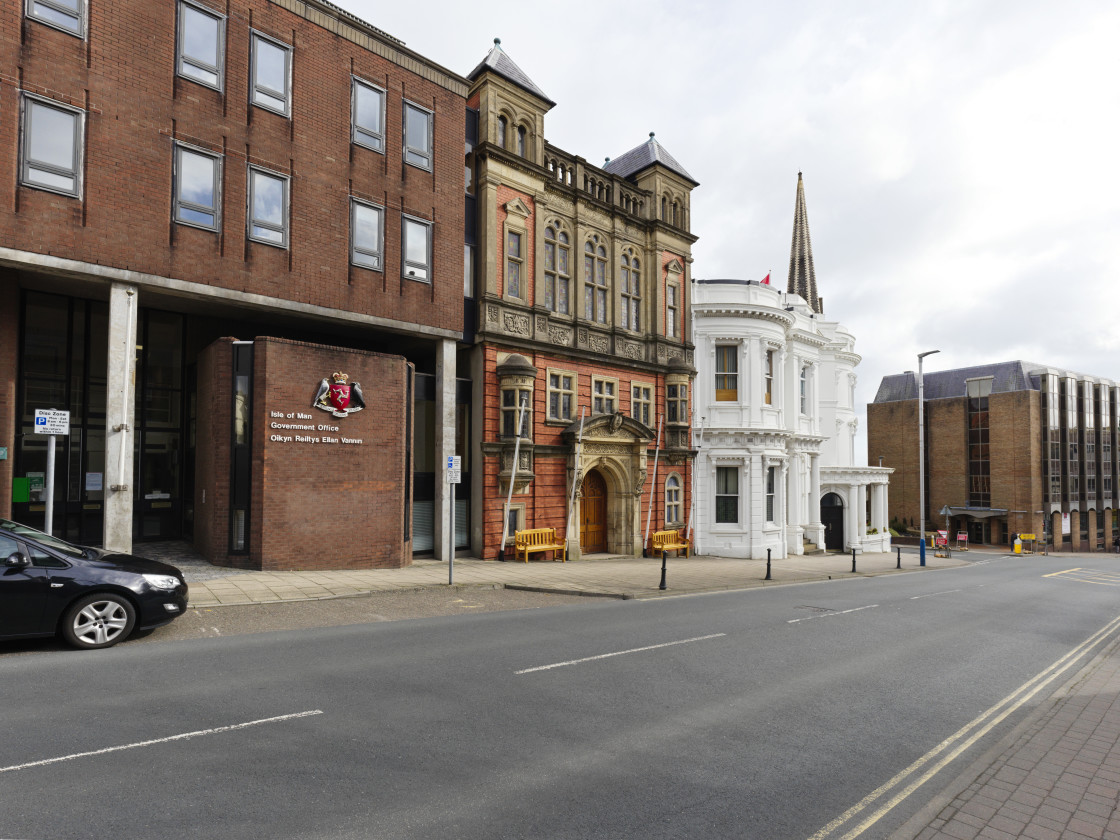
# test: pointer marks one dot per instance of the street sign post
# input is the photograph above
(53, 422)
(454, 476)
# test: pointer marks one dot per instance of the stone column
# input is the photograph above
(120, 396)
(443, 534)
(854, 516)
(862, 511)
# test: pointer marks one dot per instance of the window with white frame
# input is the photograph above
(268, 207)
(197, 191)
(727, 373)
(201, 49)
(561, 395)
(516, 401)
(367, 229)
(771, 495)
(804, 388)
(671, 310)
(673, 506)
(676, 402)
(727, 495)
(641, 402)
(67, 15)
(417, 136)
(515, 259)
(416, 246)
(595, 281)
(51, 146)
(557, 280)
(768, 379)
(367, 115)
(604, 395)
(271, 74)
(631, 291)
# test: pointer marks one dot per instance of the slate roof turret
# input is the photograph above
(644, 156)
(498, 62)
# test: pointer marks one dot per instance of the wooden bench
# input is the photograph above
(539, 539)
(670, 541)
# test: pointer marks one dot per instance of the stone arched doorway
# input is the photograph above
(593, 514)
(832, 517)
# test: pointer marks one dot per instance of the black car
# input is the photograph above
(92, 598)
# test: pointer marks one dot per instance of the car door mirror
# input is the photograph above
(17, 561)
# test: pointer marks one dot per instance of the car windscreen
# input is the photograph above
(55, 543)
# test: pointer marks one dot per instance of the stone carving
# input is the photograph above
(607, 449)
(492, 314)
(631, 350)
(559, 335)
(639, 482)
(598, 343)
(616, 423)
(516, 323)
(542, 323)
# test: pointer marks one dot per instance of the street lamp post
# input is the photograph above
(922, 459)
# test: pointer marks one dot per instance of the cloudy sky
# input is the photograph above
(960, 156)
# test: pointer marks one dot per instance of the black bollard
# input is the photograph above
(853, 560)
(663, 587)
(899, 550)
(767, 564)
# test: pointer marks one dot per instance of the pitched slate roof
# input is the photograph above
(802, 274)
(1006, 376)
(498, 62)
(644, 156)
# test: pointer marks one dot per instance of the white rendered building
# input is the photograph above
(775, 421)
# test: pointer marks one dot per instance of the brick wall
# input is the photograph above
(1016, 458)
(892, 431)
(947, 462)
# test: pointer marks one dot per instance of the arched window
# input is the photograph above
(664, 207)
(595, 281)
(521, 140)
(673, 506)
(503, 123)
(631, 291)
(557, 277)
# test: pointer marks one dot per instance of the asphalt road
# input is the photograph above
(760, 714)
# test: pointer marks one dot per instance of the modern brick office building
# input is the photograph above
(181, 172)
(1012, 447)
(582, 279)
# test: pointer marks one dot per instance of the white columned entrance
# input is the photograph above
(120, 398)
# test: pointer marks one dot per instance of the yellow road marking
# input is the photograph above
(1067, 571)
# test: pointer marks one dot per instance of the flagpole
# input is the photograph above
(692, 505)
(512, 477)
(575, 476)
(653, 484)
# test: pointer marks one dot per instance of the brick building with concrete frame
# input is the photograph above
(1012, 447)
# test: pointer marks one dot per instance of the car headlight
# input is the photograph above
(166, 582)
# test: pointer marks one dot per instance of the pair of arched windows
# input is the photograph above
(518, 137)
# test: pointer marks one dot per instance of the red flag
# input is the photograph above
(766, 279)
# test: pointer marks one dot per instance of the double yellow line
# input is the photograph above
(925, 768)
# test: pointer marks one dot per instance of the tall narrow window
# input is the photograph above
(271, 74)
(673, 500)
(67, 15)
(676, 402)
(366, 234)
(513, 264)
(768, 379)
(367, 116)
(503, 127)
(604, 396)
(417, 136)
(202, 35)
(51, 152)
(595, 282)
(804, 386)
(512, 400)
(556, 277)
(561, 396)
(268, 207)
(727, 495)
(641, 398)
(671, 306)
(521, 141)
(727, 373)
(197, 188)
(771, 496)
(631, 292)
(416, 246)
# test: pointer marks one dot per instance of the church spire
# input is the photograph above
(802, 275)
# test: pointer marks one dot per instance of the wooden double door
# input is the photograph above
(593, 514)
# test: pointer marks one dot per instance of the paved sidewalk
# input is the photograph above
(1056, 777)
(598, 575)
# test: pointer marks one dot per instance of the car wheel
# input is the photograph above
(98, 621)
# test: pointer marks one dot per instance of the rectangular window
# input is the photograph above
(804, 385)
(727, 373)
(510, 410)
(641, 398)
(561, 395)
(513, 264)
(67, 15)
(197, 188)
(271, 74)
(671, 311)
(727, 495)
(676, 403)
(417, 136)
(604, 396)
(201, 53)
(768, 381)
(268, 207)
(52, 145)
(771, 479)
(367, 116)
(416, 246)
(367, 225)
(673, 500)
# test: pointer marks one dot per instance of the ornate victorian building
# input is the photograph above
(580, 275)
(775, 404)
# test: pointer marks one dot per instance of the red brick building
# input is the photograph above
(582, 282)
(1011, 448)
(177, 172)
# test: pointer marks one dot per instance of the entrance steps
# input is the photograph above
(811, 548)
